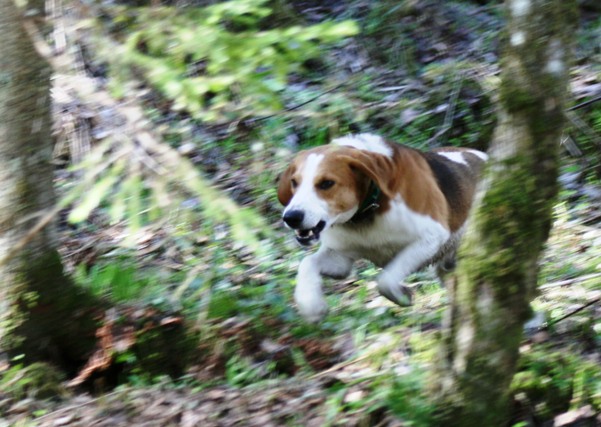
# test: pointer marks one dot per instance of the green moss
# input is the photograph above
(55, 317)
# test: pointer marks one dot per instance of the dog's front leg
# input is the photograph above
(308, 293)
(390, 281)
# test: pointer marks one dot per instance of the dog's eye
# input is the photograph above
(325, 184)
(293, 183)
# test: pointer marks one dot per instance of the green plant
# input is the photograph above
(241, 371)
(118, 280)
(218, 63)
(408, 400)
(388, 34)
(38, 380)
(141, 182)
(552, 381)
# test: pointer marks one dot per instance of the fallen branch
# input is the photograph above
(569, 281)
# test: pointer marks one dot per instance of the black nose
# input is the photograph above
(294, 218)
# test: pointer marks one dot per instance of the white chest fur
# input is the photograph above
(388, 234)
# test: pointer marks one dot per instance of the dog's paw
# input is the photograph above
(313, 309)
(394, 291)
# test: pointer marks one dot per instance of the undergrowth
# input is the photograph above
(190, 259)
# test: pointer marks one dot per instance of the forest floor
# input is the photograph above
(340, 387)
(423, 76)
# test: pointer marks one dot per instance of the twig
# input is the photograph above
(585, 103)
(569, 281)
(39, 43)
(341, 365)
(60, 205)
(583, 127)
(294, 107)
(31, 234)
(578, 310)
(448, 118)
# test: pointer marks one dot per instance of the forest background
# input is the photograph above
(172, 122)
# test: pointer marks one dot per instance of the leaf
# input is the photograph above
(94, 197)
(133, 188)
(117, 208)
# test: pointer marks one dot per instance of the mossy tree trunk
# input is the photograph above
(496, 278)
(42, 314)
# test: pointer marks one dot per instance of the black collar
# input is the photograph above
(369, 204)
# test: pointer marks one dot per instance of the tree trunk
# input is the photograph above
(42, 314)
(496, 278)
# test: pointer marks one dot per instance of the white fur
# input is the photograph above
(400, 240)
(306, 198)
(308, 293)
(366, 142)
(455, 156)
(478, 153)
(458, 157)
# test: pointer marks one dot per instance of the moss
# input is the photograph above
(56, 317)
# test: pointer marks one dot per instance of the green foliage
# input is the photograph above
(388, 36)
(241, 371)
(550, 382)
(218, 63)
(38, 380)
(408, 400)
(118, 280)
(141, 184)
(230, 61)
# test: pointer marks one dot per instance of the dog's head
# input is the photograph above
(327, 185)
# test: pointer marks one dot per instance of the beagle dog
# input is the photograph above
(365, 198)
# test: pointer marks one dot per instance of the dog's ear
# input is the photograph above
(377, 167)
(284, 185)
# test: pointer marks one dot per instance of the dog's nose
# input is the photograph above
(294, 218)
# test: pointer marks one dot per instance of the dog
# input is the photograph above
(366, 198)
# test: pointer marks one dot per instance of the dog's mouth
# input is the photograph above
(308, 236)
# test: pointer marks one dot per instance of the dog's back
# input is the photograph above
(457, 171)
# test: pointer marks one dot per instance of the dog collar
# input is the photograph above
(369, 204)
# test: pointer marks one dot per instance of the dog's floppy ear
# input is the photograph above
(377, 167)
(284, 186)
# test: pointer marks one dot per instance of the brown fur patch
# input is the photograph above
(461, 191)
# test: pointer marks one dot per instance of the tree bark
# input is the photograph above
(496, 279)
(42, 314)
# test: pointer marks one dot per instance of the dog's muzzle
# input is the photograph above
(305, 236)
